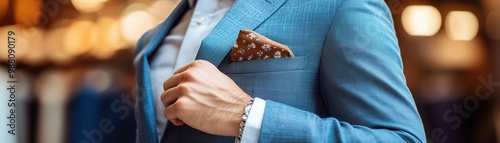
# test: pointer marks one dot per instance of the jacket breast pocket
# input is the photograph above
(268, 65)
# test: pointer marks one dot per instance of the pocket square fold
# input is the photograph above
(251, 45)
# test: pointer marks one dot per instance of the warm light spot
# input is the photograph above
(461, 25)
(492, 25)
(441, 51)
(421, 20)
(26, 38)
(115, 37)
(78, 38)
(161, 9)
(4, 7)
(134, 24)
(28, 12)
(31, 48)
(135, 7)
(86, 6)
(53, 46)
(107, 38)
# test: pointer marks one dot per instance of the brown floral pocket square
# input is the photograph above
(251, 45)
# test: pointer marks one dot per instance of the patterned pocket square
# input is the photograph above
(251, 45)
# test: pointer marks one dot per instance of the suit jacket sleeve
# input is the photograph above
(362, 84)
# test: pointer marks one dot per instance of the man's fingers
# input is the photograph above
(174, 80)
(171, 114)
(182, 69)
(177, 122)
(172, 107)
(170, 95)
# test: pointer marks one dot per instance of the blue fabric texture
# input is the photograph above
(145, 115)
(345, 83)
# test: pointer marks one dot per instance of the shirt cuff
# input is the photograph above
(251, 132)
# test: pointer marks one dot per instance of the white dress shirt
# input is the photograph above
(180, 48)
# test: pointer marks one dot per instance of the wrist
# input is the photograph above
(243, 120)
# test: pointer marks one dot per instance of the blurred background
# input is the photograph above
(76, 78)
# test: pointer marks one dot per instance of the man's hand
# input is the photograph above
(202, 97)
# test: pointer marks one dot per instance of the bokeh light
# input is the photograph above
(451, 54)
(87, 6)
(134, 7)
(4, 8)
(421, 20)
(160, 9)
(461, 25)
(134, 24)
(26, 39)
(493, 25)
(107, 38)
(31, 45)
(53, 48)
(78, 38)
(27, 12)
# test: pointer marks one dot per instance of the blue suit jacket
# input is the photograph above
(345, 83)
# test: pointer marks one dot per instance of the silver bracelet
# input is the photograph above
(244, 120)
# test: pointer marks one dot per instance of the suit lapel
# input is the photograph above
(244, 14)
(166, 26)
(145, 104)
